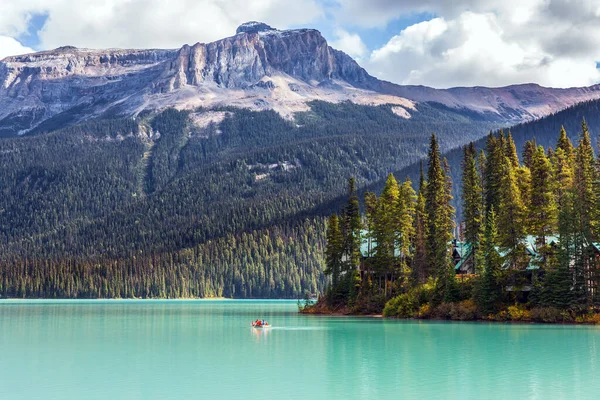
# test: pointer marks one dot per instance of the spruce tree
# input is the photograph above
(439, 224)
(386, 229)
(564, 143)
(472, 194)
(528, 152)
(543, 212)
(352, 227)
(584, 202)
(510, 150)
(488, 291)
(511, 215)
(333, 250)
(493, 171)
(370, 211)
(406, 225)
(420, 271)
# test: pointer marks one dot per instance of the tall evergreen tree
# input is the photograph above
(488, 291)
(510, 150)
(493, 171)
(351, 229)
(406, 225)
(472, 195)
(333, 250)
(543, 212)
(439, 224)
(528, 152)
(584, 202)
(386, 229)
(420, 270)
(511, 215)
(564, 143)
(371, 211)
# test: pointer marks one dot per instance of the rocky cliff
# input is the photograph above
(260, 67)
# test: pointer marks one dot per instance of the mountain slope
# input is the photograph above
(124, 195)
(259, 68)
(545, 131)
(236, 209)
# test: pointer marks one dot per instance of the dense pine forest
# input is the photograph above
(159, 206)
(527, 246)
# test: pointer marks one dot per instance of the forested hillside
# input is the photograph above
(161, 206)
(544, 131)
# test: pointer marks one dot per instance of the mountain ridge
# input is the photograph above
(258, 68)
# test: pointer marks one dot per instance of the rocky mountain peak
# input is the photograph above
(254, 27)
(258, 68)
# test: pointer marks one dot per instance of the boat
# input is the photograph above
(260, 326)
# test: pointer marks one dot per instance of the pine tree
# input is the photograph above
(472, 194)
(511, 215)
(510, 150)
(386, 229)
(406, 225)
(420, 271)
(528, 152)
(564, 143)
(488, 291)
(333, 250)
(523, 175)
(584, 202)
(371, 210)
(543, 212)
(557, 289)
(493, 171)
(351, 228)
(439, 224)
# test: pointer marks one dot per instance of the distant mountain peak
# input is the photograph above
(258, 68)
(254, 27)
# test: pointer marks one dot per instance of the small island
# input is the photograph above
(527, 247)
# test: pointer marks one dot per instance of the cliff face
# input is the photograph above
(83, 83)
(259, 68)
(246, 58)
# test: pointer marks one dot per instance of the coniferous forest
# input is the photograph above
(160, 206)
(526, 248)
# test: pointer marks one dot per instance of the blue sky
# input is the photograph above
(373, 38)
(30, 37)
(430, 42)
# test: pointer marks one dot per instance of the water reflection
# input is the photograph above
(180, 349)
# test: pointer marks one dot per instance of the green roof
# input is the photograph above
(464, 250)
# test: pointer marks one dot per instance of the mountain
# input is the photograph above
(208, 170)
(258, 68)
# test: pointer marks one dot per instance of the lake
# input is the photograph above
(137, 349)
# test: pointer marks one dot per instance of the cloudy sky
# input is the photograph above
(429, 42)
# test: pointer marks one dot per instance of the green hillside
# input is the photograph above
(115, 207)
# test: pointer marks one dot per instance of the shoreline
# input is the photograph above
(109, 299)
(379, 315)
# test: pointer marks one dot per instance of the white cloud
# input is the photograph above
(350, 43)
(553, 43)
(468, 42)
(148, 23)
(11, 47)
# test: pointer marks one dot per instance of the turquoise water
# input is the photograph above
(206, 349)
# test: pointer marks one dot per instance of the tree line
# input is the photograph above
(550, 196)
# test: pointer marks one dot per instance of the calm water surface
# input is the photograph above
(203, 349)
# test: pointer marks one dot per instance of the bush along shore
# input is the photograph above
(527, 247)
